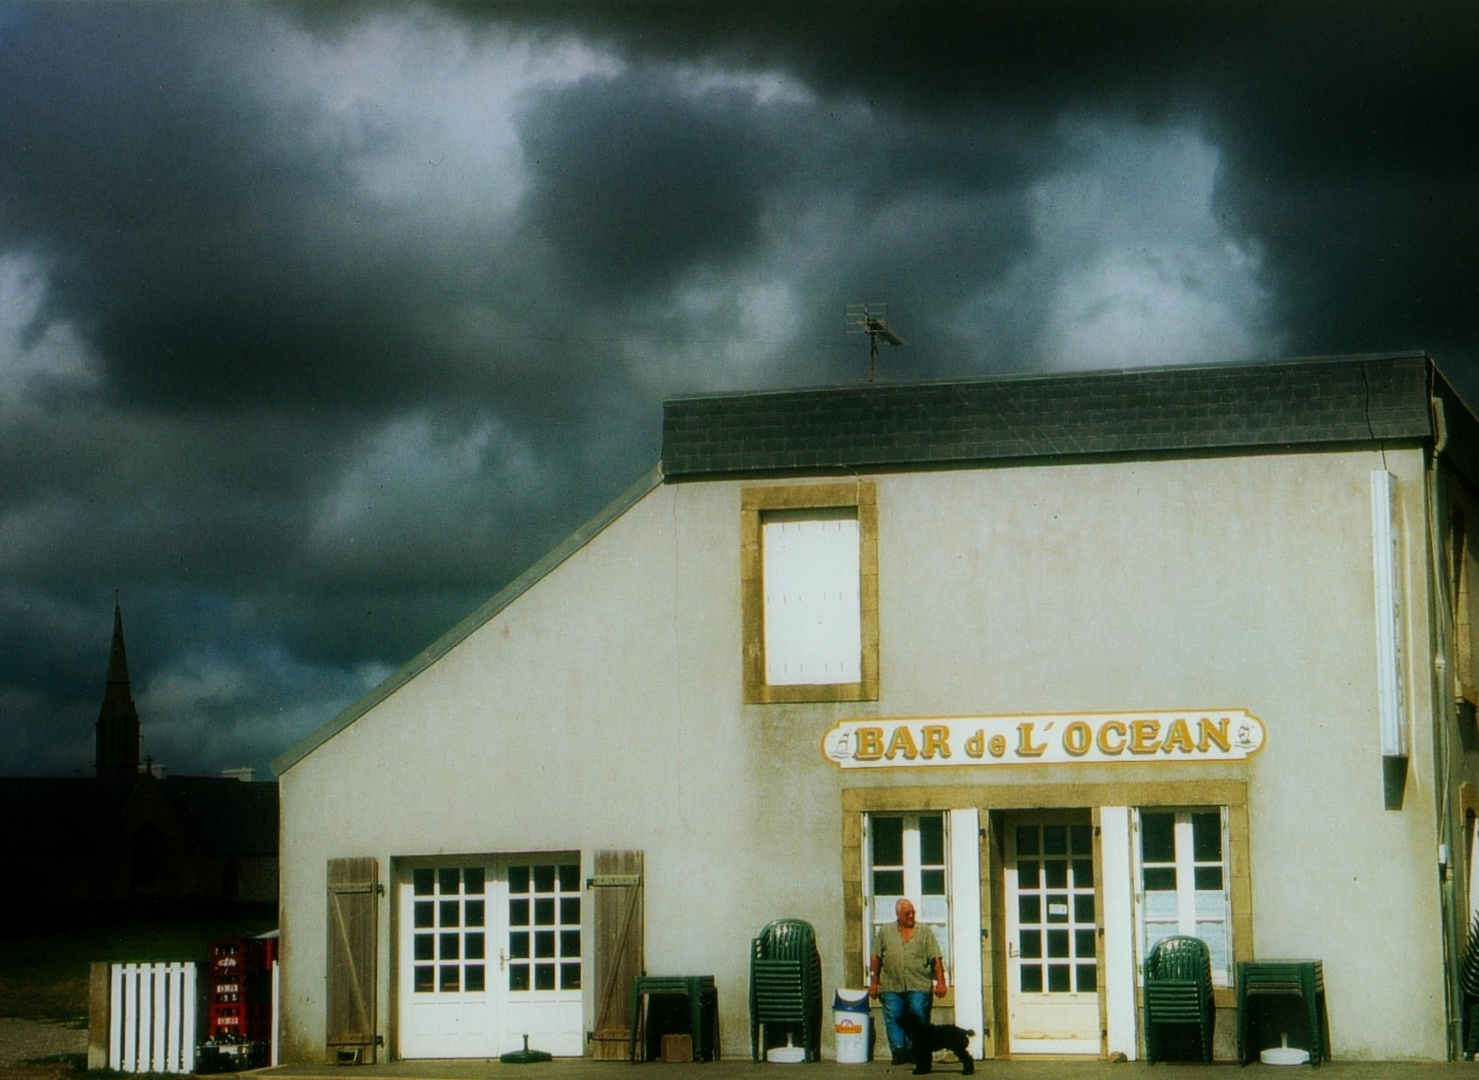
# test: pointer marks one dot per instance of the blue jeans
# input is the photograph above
(894, 1002)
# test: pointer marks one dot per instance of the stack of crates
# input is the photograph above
(239, 999)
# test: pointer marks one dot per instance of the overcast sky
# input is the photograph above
(319, 323)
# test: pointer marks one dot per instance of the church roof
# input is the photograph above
(117, 653)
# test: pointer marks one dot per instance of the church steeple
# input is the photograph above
(118, 720)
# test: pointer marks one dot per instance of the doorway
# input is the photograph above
(490, 950)
(1053, 973)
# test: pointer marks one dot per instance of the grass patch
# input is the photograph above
(71, 1067)
(44, 975)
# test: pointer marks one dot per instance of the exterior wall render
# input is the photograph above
(603, 708)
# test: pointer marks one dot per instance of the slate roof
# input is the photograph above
(1148, 410)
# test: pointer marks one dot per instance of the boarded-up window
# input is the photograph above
(616, 896)
(813, 618)
(809, 592)
(352, 922)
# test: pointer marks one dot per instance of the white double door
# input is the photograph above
(1052, 967)
(490, 950)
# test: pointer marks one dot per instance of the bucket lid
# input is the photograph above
(1284, 1055)
(850, 1000)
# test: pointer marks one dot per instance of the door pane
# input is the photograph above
(931, 840)
(1206, 831)
(549, 898)
(459, 904)
(1158, 837)
(1055, 907)
(888, 841)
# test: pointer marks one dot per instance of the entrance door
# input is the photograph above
(1052, 973)
(490, 950)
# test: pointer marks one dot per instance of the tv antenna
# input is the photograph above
(872, 319)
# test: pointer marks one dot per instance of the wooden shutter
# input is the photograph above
(616, 891)
(354, 906)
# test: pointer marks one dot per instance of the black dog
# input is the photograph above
(927, 1038)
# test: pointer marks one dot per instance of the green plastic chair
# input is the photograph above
(785, 988)
(1469, 984)
(1178, 991)
(1303, 980)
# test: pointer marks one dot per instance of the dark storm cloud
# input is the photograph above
(615, 223)
(320, 322)
(218, 245)
(1344, 125)
(179, 218)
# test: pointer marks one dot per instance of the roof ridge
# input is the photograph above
(1062, 375)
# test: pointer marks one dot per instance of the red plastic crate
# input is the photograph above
(238, 1023)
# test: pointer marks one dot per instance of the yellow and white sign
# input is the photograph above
(1071, 738)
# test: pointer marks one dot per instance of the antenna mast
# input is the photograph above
(872, 319)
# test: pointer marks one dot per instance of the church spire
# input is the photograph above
(118, 720)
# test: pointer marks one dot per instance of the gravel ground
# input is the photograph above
(24, 1040)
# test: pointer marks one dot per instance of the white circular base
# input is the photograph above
(786, 1055)
(1284, 1055)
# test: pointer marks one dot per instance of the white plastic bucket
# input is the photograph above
(851, 1022)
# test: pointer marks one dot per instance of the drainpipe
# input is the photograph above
(1439, 620)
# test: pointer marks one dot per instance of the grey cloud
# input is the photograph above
(633, 183)
(318, 323)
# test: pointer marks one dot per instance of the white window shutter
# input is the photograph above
(813, 615)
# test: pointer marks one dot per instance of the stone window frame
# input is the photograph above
(860, 496)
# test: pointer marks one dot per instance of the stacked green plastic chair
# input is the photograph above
(1469, 983)
(1178, 991)
(785, 988)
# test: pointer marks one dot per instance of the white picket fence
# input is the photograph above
(151, 1019)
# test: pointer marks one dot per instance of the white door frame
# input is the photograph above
(519, 940)
(1080, 1007)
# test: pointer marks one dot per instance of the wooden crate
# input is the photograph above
(677, 1048)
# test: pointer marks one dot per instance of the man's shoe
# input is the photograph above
(902, 1057)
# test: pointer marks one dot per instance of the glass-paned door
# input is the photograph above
(543, 955)
(1052, 965)
(906, 856)
(1184, 881)
(490, 949)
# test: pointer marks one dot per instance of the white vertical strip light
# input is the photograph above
(1386, 538)
(965, 919)
(1119, 928)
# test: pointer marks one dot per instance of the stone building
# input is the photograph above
(1075, 662)
(133, 840)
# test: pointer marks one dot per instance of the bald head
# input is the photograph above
(904, 912)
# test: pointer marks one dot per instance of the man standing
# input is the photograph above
(905, 966)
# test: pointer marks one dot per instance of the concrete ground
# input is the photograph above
(742, 1068)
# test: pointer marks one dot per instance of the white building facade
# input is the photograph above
(1074, 662)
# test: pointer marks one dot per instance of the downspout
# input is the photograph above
(1439, 619)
